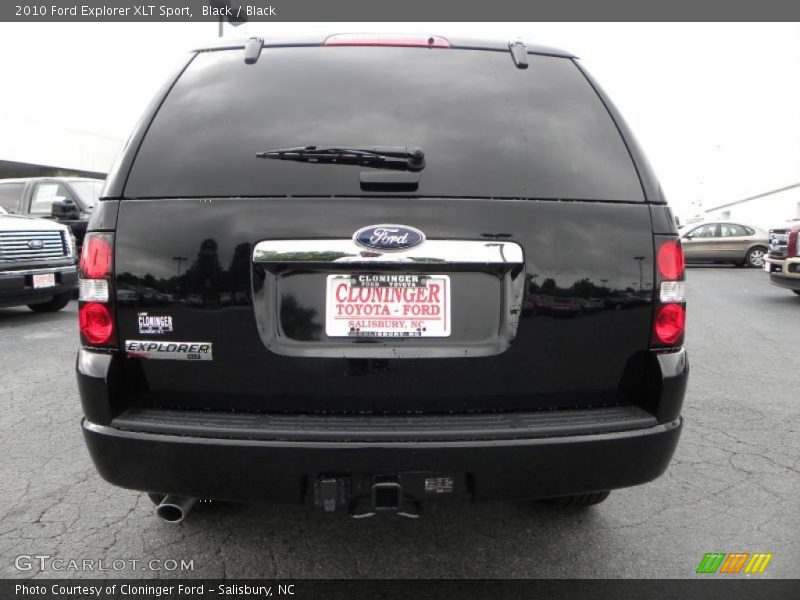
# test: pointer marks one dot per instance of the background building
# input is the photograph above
(763, 210)
(31, 148)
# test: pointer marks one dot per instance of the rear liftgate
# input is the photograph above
(337, 299)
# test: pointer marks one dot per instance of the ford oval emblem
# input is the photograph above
(388, 238)
(36, 244)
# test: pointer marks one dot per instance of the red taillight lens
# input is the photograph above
(670, 323)
(355, 39)
(670, 260)
(96, 297)
(96, 257)
(96, 324)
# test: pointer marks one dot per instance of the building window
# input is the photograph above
(726, 214)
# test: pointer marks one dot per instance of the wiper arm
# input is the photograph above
(384, 157)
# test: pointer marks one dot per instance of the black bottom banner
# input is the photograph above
(334, 589)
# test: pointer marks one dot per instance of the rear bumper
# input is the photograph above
(16, 286)
(284, 471)
(495, 456)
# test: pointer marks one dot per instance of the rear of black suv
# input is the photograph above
(319, 274)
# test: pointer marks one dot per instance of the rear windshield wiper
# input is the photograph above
(382, 157)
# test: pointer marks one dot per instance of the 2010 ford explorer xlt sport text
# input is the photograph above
(367, 272)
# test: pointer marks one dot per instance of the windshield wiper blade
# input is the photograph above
(384, 157)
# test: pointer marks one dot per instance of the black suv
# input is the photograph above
(67, 200)
(315, 277)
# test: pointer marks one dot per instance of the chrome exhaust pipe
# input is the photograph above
(174, 509)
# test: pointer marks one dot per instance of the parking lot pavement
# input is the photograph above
(733, 485)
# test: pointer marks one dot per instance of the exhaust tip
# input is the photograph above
(170, 513)
(174, 509)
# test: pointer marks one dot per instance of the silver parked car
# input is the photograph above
(724, 242)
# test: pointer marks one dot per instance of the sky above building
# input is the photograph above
(716, 107)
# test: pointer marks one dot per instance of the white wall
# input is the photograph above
(766, 211)
(41, 143)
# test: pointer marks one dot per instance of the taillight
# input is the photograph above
(669, 321)
(672, 291)
(95, 311)
(670, 260)
(96, 324)
(362, 39)
(96, 256)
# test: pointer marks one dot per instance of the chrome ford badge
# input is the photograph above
(388, 238)
(35, 244)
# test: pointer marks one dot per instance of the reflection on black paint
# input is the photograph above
(239, 274)
(583, 297)
(203, 277)
(367, 366)
(203, 284)
(299, 323)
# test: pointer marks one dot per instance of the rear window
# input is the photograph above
(487, 128)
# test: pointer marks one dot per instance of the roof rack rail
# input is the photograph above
(519, 52)
(252, 50)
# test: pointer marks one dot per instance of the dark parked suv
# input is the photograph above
(313, 277)
(67, 200)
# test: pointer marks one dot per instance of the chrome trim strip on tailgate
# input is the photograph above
(429, 252)
(457, 255)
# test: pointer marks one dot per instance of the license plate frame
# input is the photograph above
(43, 280)
(388, 306)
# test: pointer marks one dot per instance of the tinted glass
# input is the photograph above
(487, 128)
(11, 196)
(45, 193)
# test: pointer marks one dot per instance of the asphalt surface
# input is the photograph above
(733, 485)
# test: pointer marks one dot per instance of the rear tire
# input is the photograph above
(755, 256)
(578, 500)
(58, 302)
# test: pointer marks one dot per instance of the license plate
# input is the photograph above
(388, 305)
(44, 280)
